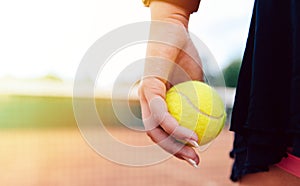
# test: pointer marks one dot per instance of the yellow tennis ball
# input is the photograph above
(197, 106)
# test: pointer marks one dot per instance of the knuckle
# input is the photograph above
(150, 134)
(186, 152)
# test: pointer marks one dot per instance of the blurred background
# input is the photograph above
(42, 44)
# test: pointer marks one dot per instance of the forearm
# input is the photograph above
(169, 27)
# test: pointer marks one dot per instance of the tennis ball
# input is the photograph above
(197, 106)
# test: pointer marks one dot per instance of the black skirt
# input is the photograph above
(266, 113)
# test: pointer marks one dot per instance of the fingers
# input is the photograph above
(161, 127)
(157, 89)
(155, 113)
(169, 144)
(171, 126)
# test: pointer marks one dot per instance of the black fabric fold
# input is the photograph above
(266, 112)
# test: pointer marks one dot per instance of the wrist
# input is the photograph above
(163, 11)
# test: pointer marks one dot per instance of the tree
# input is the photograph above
(231, 73)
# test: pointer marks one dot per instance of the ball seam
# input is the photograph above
(197, 109)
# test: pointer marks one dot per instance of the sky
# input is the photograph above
(40, 37)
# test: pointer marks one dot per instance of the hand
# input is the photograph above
(164, 71)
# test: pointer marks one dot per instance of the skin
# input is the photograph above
(161, 127)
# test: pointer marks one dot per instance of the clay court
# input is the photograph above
(61, 157)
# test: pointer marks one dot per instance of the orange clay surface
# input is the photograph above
(61, 157)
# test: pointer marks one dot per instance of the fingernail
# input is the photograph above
(194, 143)
(191, 162)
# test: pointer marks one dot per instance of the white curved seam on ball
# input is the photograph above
(197, 109)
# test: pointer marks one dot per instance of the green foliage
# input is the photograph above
(231, 73)
(215, 80)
